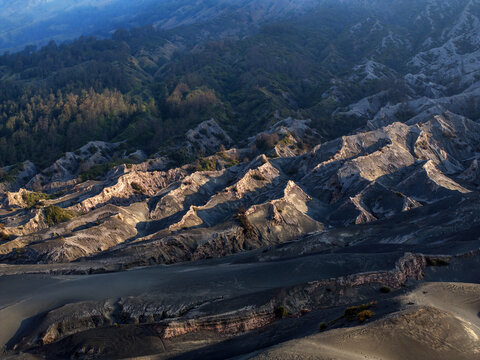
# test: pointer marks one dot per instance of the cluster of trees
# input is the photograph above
(42, 127)
(186, 102)
(133, 87)
(52, 57)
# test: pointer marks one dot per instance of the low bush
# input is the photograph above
(259, 177)
(385, 289)
(365, 315)
(323, 326)
(137, 188)
(281, 312)
(265, 142)
(97, 172)
(208, 164)
(351, 313)
(33, 198)
(437, 262)
(55, 215)
(4, 236)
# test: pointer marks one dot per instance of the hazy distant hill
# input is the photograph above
(27, 22)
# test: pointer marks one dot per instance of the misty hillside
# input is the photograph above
(29, 22)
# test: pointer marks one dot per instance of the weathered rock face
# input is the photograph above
(130, 187)
(208, 137)
(186, 214)
(77, 238)
(64, 171)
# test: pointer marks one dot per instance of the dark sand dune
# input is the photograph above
(441, 323)
(24, 296)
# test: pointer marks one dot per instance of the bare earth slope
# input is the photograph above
(443, 323)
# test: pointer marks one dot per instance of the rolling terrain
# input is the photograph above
(290, 187)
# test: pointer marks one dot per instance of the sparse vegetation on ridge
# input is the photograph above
(32, 199)
(55, 215)
(360, 312)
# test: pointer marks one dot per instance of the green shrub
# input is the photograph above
(323, 326)
(232, 162)
(265, 142)
(59, 193)
(287, 140)
(33, 198)
(385, 289)
(7, 176)
(55, 215)
(209, 164)
(95, 172)
(281, 312)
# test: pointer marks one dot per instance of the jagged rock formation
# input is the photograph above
(208, 137)
(182, 214)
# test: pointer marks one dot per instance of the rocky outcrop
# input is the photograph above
(77, 238)
(64, 171)
(208, 137)
(190, 214)
(130, 187)
(219, 324)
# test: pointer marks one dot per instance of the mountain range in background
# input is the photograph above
(36, 23)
